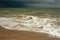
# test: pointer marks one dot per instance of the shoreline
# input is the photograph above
(23, 35)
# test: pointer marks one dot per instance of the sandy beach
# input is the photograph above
(23, 35)
(49, 24)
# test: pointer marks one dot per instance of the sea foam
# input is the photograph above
(32, 23)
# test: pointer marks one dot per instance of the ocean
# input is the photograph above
(44, 21)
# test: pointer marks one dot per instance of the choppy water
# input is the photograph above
(32, 23)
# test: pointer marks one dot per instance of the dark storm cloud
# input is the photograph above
(24, 3)
(12, 4)
(42, 1)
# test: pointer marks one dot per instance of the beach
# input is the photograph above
(29, 24)
(23, 35)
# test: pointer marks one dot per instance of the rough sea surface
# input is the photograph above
(32, 23)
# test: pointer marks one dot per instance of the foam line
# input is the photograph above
(32, 23)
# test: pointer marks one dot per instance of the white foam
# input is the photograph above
(32, 23)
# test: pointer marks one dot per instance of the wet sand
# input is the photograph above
(23, 35)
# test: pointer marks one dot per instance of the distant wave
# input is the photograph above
(32, 23)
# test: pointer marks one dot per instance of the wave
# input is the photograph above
(32, 23)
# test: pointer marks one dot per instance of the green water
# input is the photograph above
(53, 12)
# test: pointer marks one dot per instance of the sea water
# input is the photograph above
(32, 23)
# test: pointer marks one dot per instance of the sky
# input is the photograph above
(29, 3)
(42, 1)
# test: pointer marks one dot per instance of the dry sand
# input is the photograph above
(23, 35)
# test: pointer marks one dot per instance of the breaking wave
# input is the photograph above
(32, 23)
